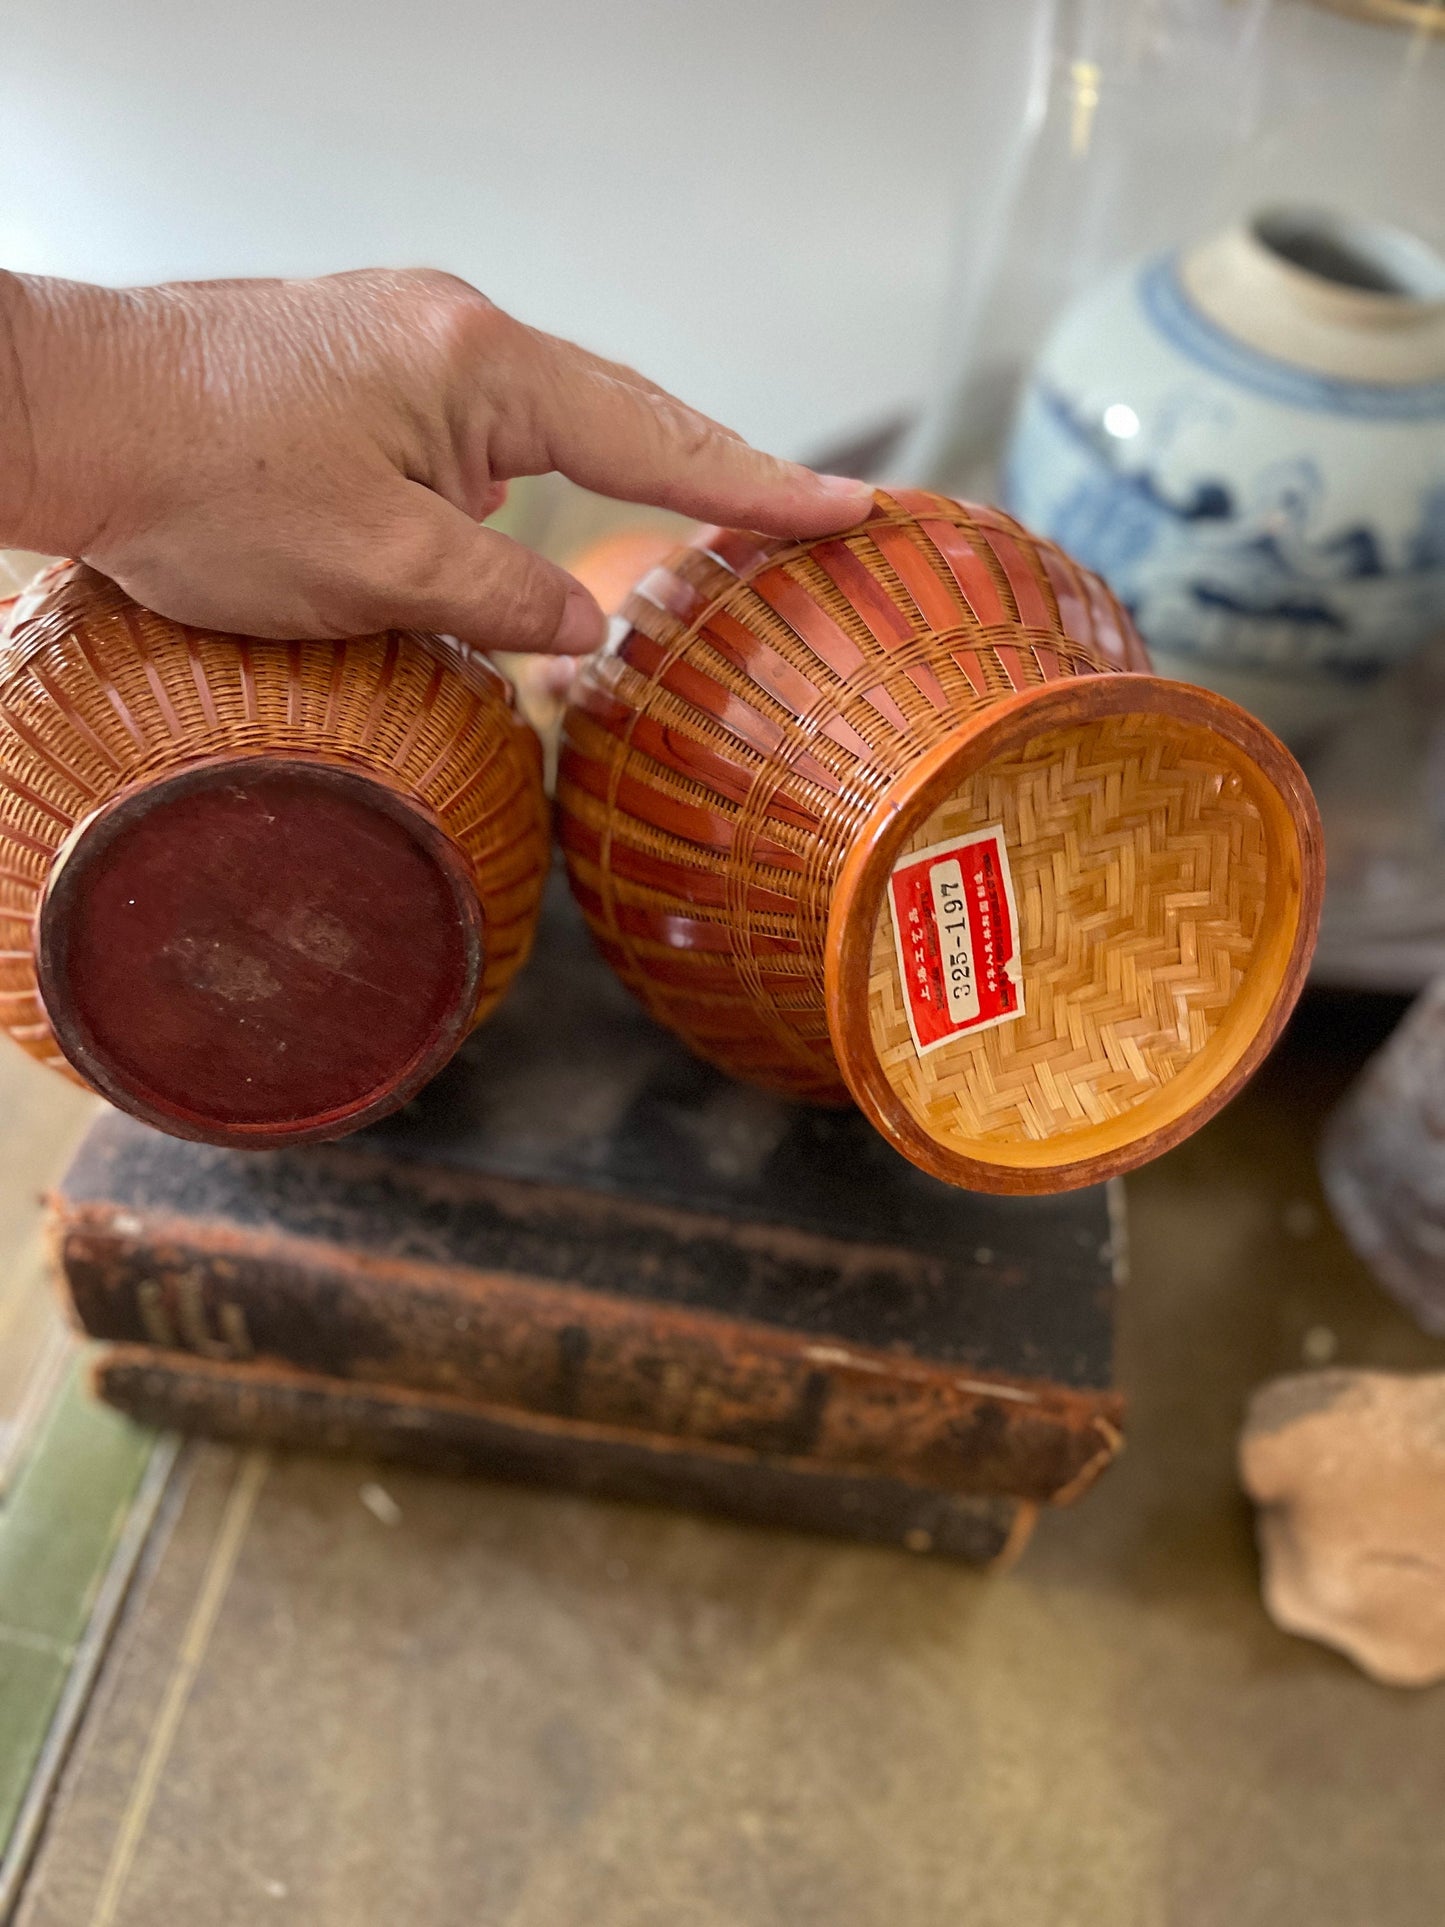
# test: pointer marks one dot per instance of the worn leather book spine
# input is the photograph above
(261, 1405)
(701, 1379)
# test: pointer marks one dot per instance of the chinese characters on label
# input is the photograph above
(956, 929)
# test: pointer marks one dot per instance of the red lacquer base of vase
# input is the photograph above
(259, 950)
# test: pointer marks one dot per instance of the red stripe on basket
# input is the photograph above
(937, 603)
(734, 781)
(694, 685)
(832, 645)
(1075, 618)
(812, 625)
(997, 521)
(11, 833)
(1114, 635)
(801, 763)
(761, 663)
(686, 971)
(1050, 662)
(887, 624)
(709, 889)
(696, 934)
(1033, 604)
(969, 570)
(599, 702)
(779, 679)
(692, 822)
(971, 669)
(922, 501)
(1011, 662)
(16, 787)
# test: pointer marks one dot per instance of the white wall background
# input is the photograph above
(756, 201)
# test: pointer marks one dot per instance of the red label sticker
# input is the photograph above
(956, 929)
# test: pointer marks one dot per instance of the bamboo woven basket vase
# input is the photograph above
(899, 815)
(254, 892)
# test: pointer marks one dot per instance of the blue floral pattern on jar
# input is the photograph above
(1260, 521)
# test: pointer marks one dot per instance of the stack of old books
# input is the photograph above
(584, 1257)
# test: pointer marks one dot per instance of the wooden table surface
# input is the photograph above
(351, 1696)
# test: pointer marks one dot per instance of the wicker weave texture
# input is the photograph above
(98, 695)
(717, 762)
(1140, 871)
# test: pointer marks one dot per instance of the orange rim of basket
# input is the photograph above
(1296, 846)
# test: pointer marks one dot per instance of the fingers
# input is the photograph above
(433, 567)
(611, 431)
(491, 498)
(394, 555)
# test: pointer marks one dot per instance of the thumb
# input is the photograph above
(443, 571)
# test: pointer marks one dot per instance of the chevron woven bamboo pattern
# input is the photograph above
(721, 759)
(98, 695)
(1140, 872)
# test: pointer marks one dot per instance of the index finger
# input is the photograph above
(616, 433)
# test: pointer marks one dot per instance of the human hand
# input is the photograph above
(314, 458)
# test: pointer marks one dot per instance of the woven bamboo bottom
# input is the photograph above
(1140, 864)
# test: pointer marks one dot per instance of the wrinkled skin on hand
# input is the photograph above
(313, 458)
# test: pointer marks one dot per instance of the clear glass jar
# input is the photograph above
(1208, 355)
(1152, 123)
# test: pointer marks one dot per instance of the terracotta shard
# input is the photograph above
(1347, 1469)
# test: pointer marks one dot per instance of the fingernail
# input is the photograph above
(847, 485)
(583, 626)
(854, 498)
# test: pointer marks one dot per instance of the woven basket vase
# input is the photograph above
(254, 892)
(880, 815)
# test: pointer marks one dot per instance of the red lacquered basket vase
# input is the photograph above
(254, 892)
(900, 815)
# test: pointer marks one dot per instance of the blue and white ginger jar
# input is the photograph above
(1248, 441)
